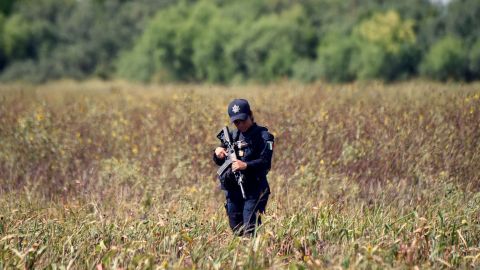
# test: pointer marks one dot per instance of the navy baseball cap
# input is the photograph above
(238, 109)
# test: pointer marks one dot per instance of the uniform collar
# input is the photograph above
(250, 131)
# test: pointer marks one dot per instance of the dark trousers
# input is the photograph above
(243, 214)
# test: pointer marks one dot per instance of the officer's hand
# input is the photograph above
(239, 165)
(220, 152)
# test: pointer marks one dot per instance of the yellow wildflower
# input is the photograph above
(39, 116)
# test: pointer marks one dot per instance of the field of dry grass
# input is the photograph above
(119, 176)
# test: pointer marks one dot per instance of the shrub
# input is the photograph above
(268, 48)
(387, 47)
(306, 70)
(16, 37)
(335, 59)
(445, 60)
(164, 49)
(474, 60)
(200, 43)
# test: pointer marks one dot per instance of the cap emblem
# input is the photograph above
(235, 108)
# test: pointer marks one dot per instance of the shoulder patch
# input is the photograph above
(270, 145)
(267, 136)
(269, 140)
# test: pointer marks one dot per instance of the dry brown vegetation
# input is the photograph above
(114, 175)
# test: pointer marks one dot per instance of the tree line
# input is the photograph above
(230, 41)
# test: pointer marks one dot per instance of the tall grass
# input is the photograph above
(112, 175)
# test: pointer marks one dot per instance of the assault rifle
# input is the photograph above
(226, 139)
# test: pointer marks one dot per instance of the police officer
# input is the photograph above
(255, 149)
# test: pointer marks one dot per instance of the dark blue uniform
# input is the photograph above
(255, 149)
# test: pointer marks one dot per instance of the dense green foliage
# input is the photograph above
(227, 41)
(447, 59)
(51, 39)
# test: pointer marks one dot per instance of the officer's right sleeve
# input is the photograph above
(218, 161)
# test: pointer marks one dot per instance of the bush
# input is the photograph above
(446, 60)
(164, 49)
(306, 70)
(335, 59)
(268, 48)
(200, 43)
(211, 57)
(21, 70)
(369, 62)
(3, 59)
(75, 39)
(16, 37)
(474, 61)
(387, 47)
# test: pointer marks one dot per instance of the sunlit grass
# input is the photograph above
(114, 175)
